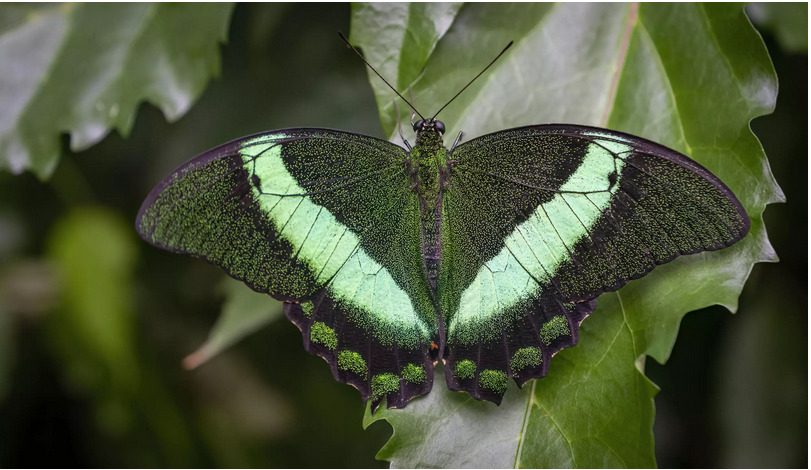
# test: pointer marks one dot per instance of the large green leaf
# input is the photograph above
(243, 312)
(768, 433)
(410, 34)
(688, 76)
(84, 68)
(93, 333)
(93, 253)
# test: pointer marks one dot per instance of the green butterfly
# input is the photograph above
(487, 255)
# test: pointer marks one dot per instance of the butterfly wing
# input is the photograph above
(572, 212)
(325, 221)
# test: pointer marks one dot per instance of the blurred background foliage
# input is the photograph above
(94, 324)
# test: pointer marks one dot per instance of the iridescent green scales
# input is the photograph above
(464, 369)
(414, 373)
(554, 328)
(353, 362)
(307, 308)
(384, 384)
(322, 334)
(526, 357)
(486, 256)
(493, 380)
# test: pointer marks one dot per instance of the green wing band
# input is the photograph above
(330, 248)
(537, 247)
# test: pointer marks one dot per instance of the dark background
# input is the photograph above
(734, 392)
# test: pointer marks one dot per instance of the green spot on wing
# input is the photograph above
(465, 369)
(307, 308)
(322, 334)
(494, 380)
(414, 373)
(526, 357)
(352, 362)
(383, 384)
(557, 326)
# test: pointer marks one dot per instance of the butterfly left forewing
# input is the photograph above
(571, 212)
(325, 221)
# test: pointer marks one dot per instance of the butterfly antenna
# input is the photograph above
(399, 127)
(474, 79)
(381, 76)
(411, 95)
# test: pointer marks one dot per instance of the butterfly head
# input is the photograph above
(429, 125)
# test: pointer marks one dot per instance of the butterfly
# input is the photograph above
(486, 255)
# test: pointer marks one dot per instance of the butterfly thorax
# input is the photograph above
(428, 161)
(427, 156)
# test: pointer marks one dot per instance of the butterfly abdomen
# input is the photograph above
(431, 242)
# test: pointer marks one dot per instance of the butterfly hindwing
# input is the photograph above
(572, 212)
(326, 221)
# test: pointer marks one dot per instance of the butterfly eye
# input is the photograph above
(440, 126)
(418, 125)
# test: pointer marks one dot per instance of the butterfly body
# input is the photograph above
(428, 163)
(487, 256)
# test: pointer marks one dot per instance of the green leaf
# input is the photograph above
(6, 350)
(28, 291)
(771, 333)
(243, 312)
(398, 39)
(93, 332)
(420, 439)
(688, 76)
(84, 68)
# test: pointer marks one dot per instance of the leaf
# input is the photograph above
(243, 312)
(93, 331)
(28, 291)
(768, 339)
(420, 439)
(688, 76)
(84, 68)
(398, 38)
(6, 350)
(94, 334)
